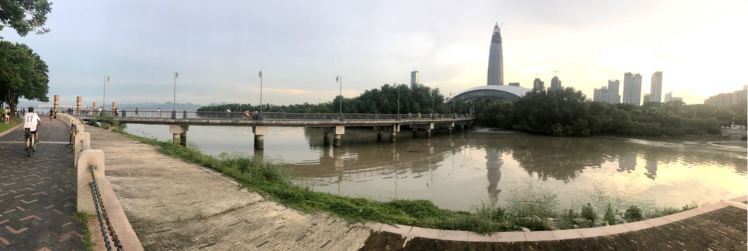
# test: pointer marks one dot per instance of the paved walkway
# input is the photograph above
(174, 205)
(37, 195)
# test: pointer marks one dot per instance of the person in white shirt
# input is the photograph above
(32, 121)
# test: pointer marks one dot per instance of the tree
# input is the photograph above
(23, 74)
(24, 16)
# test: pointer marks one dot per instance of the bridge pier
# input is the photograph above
(380, 134)
(393, 133)
(339, 131)
(179, 133)
(326, 137)
(259, 132)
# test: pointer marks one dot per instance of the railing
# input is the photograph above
(270, 115)
(105, 225)
(95, 195)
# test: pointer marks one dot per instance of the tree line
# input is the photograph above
(383, 100)
(567, 112)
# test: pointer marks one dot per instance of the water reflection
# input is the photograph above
(493, 168)
(463, 170)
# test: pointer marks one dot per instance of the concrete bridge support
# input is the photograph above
(179, 134)
(380, 134)
(339, 131)
(259, 132)
(393, 133)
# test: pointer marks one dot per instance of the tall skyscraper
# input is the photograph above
(415, 79)
(538, 84)
(495, 59)
(614, 91)
(555, 83)
(655, 90)
(632, 88)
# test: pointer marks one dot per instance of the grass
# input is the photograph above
(83, 219)
(13, 122)
(534, 208)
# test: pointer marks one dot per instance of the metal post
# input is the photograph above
(103, 105)
(174, 101)
(398, 101)
(339, 79)
(260, 93)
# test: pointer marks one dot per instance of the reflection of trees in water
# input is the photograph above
(558, 158)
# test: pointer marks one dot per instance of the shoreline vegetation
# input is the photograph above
(13, 122)
(565, 112)
(530, 209)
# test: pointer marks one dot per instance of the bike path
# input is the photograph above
(37, 194)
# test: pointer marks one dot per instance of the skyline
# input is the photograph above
(301, 47)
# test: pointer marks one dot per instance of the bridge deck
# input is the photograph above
(284, 119)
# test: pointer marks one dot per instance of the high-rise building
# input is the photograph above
(614, 91)
(538, 84)
(728, 99)
(495, 59)
(670, 98)
(655, 90)
(647, 98)
(632, 88)
(555, 83)
(415, 79)
(601, 95)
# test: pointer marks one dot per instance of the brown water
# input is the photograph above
(462, 171)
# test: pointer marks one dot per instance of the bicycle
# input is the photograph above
(30, 142)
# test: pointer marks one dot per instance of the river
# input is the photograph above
(465, 170)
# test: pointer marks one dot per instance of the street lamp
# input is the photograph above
(103, 104)
(260, 92)
(432, 102)
(339, 79)
(398, 101)
(174, 101)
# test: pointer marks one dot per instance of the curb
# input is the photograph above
(410, 232)
(10, 129)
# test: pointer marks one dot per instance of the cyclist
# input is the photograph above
(32, 121)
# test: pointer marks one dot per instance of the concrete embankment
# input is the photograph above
(174, 205)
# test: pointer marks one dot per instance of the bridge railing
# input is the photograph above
(158, 115)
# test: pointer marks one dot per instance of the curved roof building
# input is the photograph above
(501, 92)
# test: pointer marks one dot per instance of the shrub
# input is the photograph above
(610, 217)
(633, 213)
(589, 214)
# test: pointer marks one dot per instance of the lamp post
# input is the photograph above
(104, 103)
(339, 79)
(174, 100)
(398, 101)
(432, 102)
(260, 92)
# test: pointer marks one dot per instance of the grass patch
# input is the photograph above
(83, 219)
(533, 208)
(13, 122)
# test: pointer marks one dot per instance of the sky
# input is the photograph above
(218, 47)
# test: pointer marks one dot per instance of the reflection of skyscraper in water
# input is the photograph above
(627, 162)
(493, 167)
(651, 168)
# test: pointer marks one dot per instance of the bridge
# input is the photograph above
(333, 124)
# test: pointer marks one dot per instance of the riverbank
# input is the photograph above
(275, 183)
(175, 205)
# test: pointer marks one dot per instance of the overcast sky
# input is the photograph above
(219, 46)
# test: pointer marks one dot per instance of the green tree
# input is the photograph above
(23, 74)
(24, 16)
